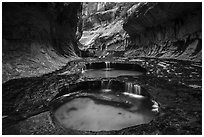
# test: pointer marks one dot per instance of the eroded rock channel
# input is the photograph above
(124, 70)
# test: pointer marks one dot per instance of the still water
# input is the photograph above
(88, 114)
(109, 73)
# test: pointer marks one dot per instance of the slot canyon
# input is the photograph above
(102, 68)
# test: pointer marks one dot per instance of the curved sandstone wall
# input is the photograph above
(165, 30)
(39, 37)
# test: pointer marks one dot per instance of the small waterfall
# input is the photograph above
(128, 87)
(137, 89)
(132, 88)
(105, 85)
(107, 65)
(109, 83)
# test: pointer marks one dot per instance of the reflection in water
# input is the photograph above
(104, 73)
(89, 114)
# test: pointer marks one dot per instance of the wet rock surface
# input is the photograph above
(177, 90)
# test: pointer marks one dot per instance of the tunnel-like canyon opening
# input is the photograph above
(102, 68)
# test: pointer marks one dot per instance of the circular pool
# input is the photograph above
(103, 106)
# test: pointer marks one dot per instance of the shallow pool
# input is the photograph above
(109, 73)
(113, 112)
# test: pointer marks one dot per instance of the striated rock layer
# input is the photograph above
(165, 30)
(39, 37)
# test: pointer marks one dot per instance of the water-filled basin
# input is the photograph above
(109, 70)
(103, 106)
